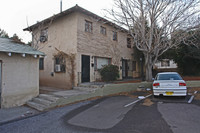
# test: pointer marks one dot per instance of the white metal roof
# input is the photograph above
(9, 46)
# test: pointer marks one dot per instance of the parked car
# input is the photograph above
(169, 84)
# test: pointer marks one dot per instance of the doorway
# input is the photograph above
(124, 68)
(85, 70)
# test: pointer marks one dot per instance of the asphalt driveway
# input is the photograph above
(110, 115)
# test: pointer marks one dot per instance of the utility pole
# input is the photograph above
(60, 5)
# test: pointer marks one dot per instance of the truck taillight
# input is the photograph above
(156, 84)
(182, 84)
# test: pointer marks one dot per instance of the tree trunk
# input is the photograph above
(148, 67)
(148, 72)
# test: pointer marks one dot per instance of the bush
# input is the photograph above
(109, 73)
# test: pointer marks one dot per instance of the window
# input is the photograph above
(100, 62)
(134, 66)
(88, 26)
(60, 64)
(165, 63)
(103, 30)
(114, 36)
(128, 42)
(168, 77)
(41, 63)
(44, 35)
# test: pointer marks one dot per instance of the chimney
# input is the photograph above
(60, 5)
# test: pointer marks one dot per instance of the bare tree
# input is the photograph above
(152, 24)
(40, 32)
(3, 33)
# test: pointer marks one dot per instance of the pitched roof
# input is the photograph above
(7, 45)
(71, 10)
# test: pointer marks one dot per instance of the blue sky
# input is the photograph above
(15, 15)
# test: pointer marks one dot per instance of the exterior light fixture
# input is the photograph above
(23, 55)
(9, 54)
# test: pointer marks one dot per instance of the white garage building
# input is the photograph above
(19, 73)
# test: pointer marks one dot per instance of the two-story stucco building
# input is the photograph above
(77, 43)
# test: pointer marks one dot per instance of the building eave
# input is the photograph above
(71, 10)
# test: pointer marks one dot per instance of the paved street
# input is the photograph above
(109, 115)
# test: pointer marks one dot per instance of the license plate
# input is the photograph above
(169, 93)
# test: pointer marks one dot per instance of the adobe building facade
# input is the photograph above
(77, 43)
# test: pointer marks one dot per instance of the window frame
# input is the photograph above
(96, 65)
(103, 30)
(128, 42)
(41, 63)
(60, 60)
(88, 26)
(115, 36)
(44, 35)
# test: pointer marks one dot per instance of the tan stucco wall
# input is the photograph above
(62, 36)
(20, 79)
(97, 44)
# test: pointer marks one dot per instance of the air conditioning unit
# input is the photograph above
(43, 38)
(58, 68)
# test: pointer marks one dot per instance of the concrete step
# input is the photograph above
(48, 97)
(37, 106)
(42, 101)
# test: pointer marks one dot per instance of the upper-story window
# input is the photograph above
(44, 35)
(103, 30)
(114, 36)
(88, 26)
(128, 42)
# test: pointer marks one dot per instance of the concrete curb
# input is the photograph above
(106, 90)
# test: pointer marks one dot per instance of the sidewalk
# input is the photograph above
(63, 97)
(16, 113)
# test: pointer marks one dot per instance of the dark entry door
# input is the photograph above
(85, 68)
(124, 68)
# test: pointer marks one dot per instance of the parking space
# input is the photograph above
(193, 94)
(103, 115)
